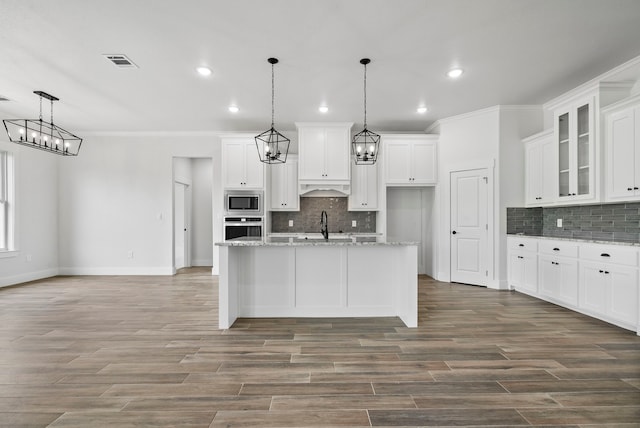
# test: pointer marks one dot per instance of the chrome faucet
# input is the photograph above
(324, 225)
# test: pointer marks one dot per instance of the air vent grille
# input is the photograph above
(120, 60)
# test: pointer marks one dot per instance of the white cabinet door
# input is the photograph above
(364, 188)
(523, 272)
(623, 294)
(312, 153)
(623, 154)
(324, 152)
(397, 162)
(410, 160)
(424, 165)
(241, 166)
(533, 174)
(575, 144)
(559, 279)
(284, 185)
(337, 148)
(593, 288)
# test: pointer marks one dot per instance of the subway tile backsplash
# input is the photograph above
(608, 222)
(308, 218)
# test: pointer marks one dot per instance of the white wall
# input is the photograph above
(36, 216)
(202, 213)
(467, 141)
(117, 196)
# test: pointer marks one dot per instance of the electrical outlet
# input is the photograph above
(354, 223)
(290, 223)
(559, 222)
(130, 254)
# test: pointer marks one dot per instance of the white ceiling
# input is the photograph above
(513, 52)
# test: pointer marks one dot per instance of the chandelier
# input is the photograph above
(364, 145)
(43, 135)
(272, 146)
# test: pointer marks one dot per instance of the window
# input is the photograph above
(6, 201)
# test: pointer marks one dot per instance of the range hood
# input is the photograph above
(339, 189)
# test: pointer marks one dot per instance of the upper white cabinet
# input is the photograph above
(410, 159)
(540, 159)
(241, 166)
(575, 139)
(323, 150)
(364, 188)
(284, 185)
(622, 142)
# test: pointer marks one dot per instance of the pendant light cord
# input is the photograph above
(272, 96)
(365, 96)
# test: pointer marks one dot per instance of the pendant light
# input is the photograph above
(43, 135)
(272, 146)
(365, 143)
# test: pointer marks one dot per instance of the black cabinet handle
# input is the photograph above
(606, 272)
(601, 271)
(556, 249)
(630, 188)
(520, 257)
(520, 245)
(635, 188)
(605, 255)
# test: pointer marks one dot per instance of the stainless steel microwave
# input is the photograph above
(241, 202)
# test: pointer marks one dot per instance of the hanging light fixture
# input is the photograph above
(43, 135)
(365, 143)
(273, 147)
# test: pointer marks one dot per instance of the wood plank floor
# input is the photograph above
(145, 351)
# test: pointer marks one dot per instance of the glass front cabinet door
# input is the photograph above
(575, 136)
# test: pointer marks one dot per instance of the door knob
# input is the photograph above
(454, 232)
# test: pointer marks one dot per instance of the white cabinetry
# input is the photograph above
(558, 272)
(622, 141)
(600, 280)
(523, 265)
(364, 188)
(323, 150)
(241, 166)
(575, 140)
(540, 158)
(284, 185)
(410, 159)
(609, 283)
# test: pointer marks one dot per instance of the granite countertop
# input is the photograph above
(298, 242)
(586, 240)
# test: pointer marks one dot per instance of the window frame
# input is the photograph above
(7, 201)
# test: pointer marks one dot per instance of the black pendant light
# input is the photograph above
(272, 146)
(365, 143)
(43, 135)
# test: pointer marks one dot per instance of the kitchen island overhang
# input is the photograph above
(263, 279)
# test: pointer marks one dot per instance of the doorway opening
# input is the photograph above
(192, 212)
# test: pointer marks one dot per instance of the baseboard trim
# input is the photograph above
(115, 271)
(27, 277)
(202, 262)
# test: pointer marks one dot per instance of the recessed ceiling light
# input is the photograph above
(422, 109)
(454, 73)
(234, 109)
(204, 71)
(323, 109)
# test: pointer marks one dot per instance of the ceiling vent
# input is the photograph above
(120, 60)
(3, 98)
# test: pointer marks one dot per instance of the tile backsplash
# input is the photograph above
(308, 218)
(607, 222)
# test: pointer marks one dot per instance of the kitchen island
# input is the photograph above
(287, 278)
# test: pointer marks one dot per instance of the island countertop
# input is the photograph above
(286, 242)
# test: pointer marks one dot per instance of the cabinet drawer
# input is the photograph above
(558, 248)
(522, 244)
(609, 254)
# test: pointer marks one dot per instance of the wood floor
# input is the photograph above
(145, 351)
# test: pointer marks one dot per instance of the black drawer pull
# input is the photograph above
(629, 188)
(601, 271)
(520, 245)
(556, 249)
(606, 272)
(605, 255)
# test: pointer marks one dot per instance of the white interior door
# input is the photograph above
(469, 227)
(181, 241)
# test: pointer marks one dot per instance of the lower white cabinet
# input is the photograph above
(600, 280)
